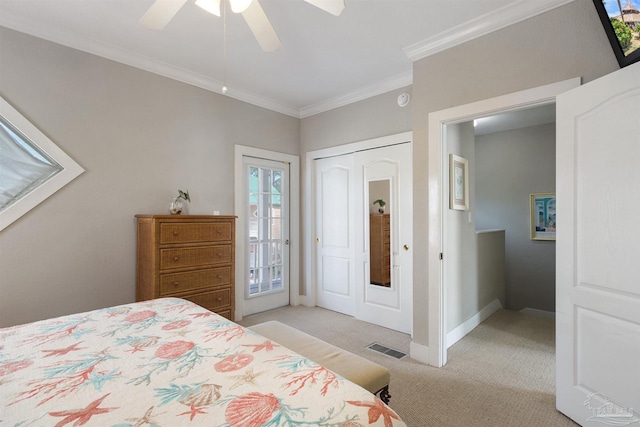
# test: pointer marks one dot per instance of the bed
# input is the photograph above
(168, 362)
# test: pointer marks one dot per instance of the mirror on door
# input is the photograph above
(380, 233)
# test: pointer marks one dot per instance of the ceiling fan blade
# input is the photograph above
(160, 13)
(211, 6)
(261, 27)
(334, 7)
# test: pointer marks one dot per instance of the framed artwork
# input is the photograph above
(458, 183)
(543, 216)
(622, 26)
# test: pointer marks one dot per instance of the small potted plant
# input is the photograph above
(176, 204)
(381, 203)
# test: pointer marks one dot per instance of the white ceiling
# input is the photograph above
(516, 119)
(324, 62)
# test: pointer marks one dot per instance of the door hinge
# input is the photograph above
(441, 256)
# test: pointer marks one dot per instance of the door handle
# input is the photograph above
(405, 247)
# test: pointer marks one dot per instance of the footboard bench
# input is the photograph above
(365, 373)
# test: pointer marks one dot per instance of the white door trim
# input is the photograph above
(309, 205)
(294, 221)
(437, 350)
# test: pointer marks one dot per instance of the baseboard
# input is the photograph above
(458, 333)
(539, 313)
(306, 301)
(419, 352)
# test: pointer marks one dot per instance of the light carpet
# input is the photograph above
(500, 374)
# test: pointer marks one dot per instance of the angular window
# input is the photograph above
(32, 167)
(23, 165)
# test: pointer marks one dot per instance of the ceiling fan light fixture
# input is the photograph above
(239, 6)
(211, 6)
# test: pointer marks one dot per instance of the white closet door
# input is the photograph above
(388, 305)
(335, 233)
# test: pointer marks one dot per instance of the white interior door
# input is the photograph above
(266, 213)
(335, 270)
(598, 242)
(385, 173)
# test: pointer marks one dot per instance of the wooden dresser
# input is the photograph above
(380, 249)
(187, 256)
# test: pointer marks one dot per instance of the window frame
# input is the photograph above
(70, 169)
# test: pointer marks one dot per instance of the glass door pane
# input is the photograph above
(265, 231)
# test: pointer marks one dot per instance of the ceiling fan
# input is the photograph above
(162, 11)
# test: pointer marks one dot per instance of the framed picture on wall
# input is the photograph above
(458, 183)
(622, 26)
(543, 216)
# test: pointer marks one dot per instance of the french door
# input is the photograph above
(266, 213)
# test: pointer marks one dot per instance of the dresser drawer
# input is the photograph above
(213, 300)
(180, 282)
(386, 254)
(194, 256)
(225, 313)
(194, 232)
(187, 256)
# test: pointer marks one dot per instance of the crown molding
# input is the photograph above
(482, 25)
(395, 82)
(123, 56)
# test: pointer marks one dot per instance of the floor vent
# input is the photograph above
(386, 350)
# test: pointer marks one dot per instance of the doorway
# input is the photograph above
(514, 158)
(267, 230)
(439, 253)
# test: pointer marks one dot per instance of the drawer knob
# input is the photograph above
(219, 276)
(219, 255)
(176, 258)
(219, 298)
(175, 283)
(219, 232)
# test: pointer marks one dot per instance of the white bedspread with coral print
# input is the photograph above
(168, 362)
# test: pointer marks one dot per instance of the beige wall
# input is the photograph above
(510, 166)
(372, 118)
(147, 136)
(563, 43)
(139, 137)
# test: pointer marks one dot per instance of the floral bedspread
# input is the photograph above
(168, 362)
